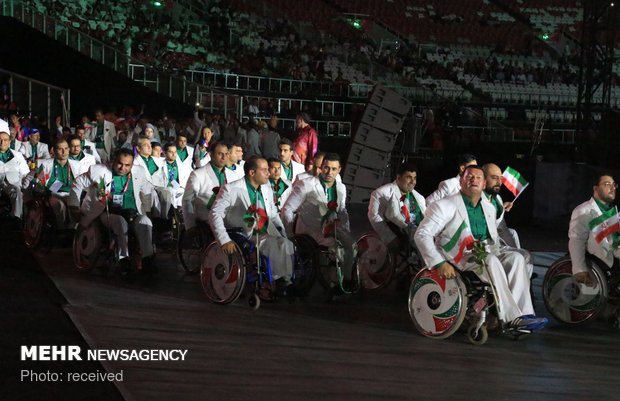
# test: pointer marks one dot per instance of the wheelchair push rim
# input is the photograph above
(571, 302)
(437, 306)
(34, 223)
(374, 263)
(87, 243)
(222, 276)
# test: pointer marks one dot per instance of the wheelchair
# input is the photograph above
(326, 265)
(438, 307)
(224, 277)
(191, 247)
(576, 303)
(378, 267)
(40, 225)
(94, 247)
(167, 232)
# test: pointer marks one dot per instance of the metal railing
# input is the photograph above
(40, 98)
(506, 134)
(178, 88)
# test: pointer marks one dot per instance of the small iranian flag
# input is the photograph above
(514, 181)
(461, 240)
(605, 225)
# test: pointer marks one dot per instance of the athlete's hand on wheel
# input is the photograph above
(446, 270)
(228, 247)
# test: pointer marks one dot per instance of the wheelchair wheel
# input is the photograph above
(190, 249)
(87, 243)
(477, 337)
(304, 270)
(222, 276)
(437, 306)
(176, 220)
(34, 223)
(571, 302)
(327, 273)
(374, 262)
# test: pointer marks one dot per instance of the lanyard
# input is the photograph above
(124, 187)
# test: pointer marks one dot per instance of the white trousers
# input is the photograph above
(280, 252)
(511, 283)
(142, 226)
(14, 193)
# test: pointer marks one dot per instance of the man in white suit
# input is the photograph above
(184, 151)
(290, 168)
(56, 174)
(315, 169)
(87, 146)
(235, 159)
(397, 203)
(508, 236)
(280, 187)
(102, 135)
(580, 236)
(13, 169)
(16, 144)
(236, 200)
(320, 206)
(203, 185)
(129, 197)
(174, 175)
(34, 150)
(442, 230)
(76, 153)
(152, 167)
(452, 185)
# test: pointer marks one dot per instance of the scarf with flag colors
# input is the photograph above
(460, 241)
(605, 225)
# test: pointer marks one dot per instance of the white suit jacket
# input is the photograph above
(155, 179)
(182, 168)
(446, 188)
(309, 201)
(18, 145)
(238, 171)
(231, 204)
(198, 162)
(298, 169)
(580, 238)
(442, 220)
(42, 150)
(92, 206)
(15, 169)
(384, 206)
(190, 157)
(86, 162)
(199, 188)
(48, 165)
(92, 150)
(109, 133)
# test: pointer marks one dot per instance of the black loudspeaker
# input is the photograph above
(373, 143)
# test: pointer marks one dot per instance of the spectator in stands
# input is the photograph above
(307, 141)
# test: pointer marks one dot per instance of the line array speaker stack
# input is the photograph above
(373, 143)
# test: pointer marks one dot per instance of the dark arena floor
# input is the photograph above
(350, 349)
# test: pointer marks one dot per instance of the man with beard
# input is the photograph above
(464, 218)
(76, 153)
(581, 236)
(491, 193)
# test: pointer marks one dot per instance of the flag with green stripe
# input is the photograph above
(460, 241)
(514, 181)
